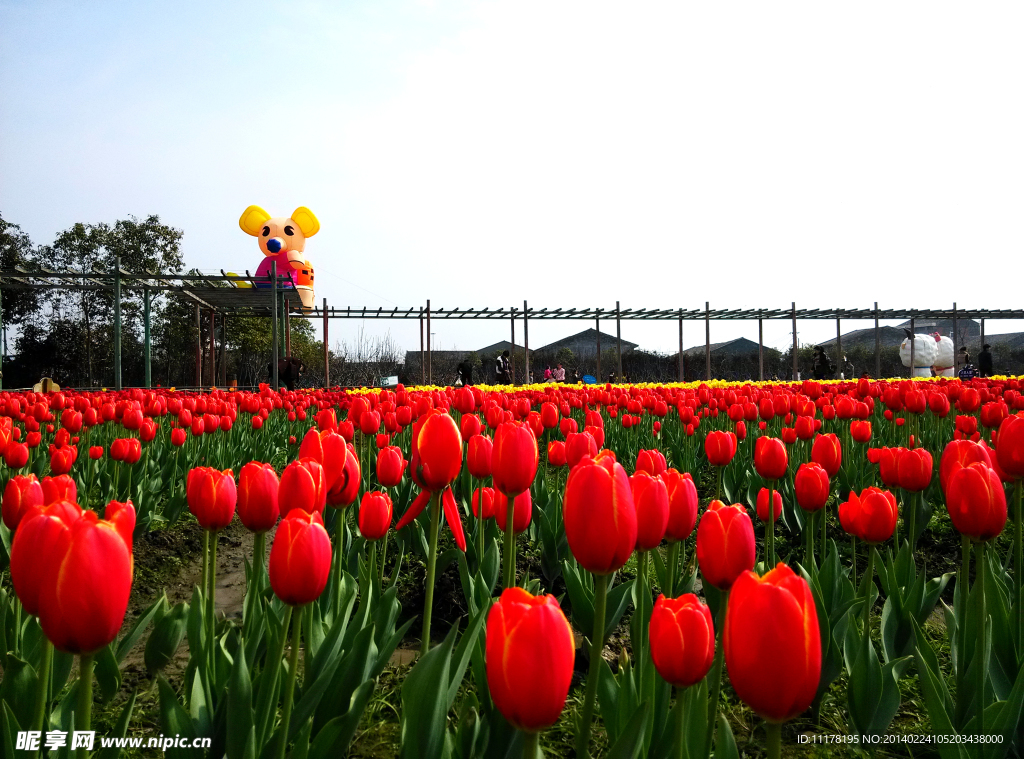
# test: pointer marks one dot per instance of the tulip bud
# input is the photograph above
(812, 486)
(725, 544)
(302, 487)
(682, 505)
(257, 496)
(770, 458)
(211, 497)
(436, 451)
(479, 456)
(375, 512)
(650, 498)
(522, 511)
(682, 638)
(529, 657)
(514, 458)
(600, 518)
(870, 516)
(22, 493)
(976, 502)
(390, 466)
(300, 558)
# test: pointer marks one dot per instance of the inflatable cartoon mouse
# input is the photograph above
(943, 365)
(925, 351)
(284, 240)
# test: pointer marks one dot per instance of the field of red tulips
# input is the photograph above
(808, 569)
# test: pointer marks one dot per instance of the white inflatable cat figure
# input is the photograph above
(944, 362)
(925, 352)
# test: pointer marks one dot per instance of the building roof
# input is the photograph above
(739, 346)
(499, 347)
(586, 336)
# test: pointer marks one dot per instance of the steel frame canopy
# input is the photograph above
(231, 295)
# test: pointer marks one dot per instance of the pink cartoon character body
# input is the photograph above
(284, 240)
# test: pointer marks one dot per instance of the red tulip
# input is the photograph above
(762, 505)
(328, 449)
(1010, 447)
(725, 544)
(300, 559)
(37, 549)
(888, 464)
(720, 447)
(514, 458)
(600, 518)
(369, 422)
(257, 496)
(812, 486)
(529, 656)
(650, 498)
(650, 461)
(59, 488)
(16, 455)
(976, 502)
(211, 496)
(579, 445)
(479, 456)
(375, 512)
(470, 426)
(61, 460)
(682, 505)
(772, 643)
(96, 452)
(487, 494)
(522, 511)
(349, 478)
(770, 458)
(914, 469)
(22, 494)
(682, 638)
(870, 516)
(860, 430)
(958, 454)
(828, 453)
(436, 451)
(549, 415)
(556, 453)
(390, 466)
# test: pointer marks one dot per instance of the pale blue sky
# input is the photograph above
(661, 154)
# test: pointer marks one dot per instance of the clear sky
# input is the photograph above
(749, 154)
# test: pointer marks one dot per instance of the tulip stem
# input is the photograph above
(83, 712)
(963, 581)
(716, 677)
(510, 543)
(259, 552)
(670, 572)
(596, 647)
(481, 531)
(213, 603)
(372, 570)
(435, 519)
(339, 540)
(206, 561)
(912, 530)
(43, 691)
(869, 580)
(680, 723)
(982, 621)
(771, 525)
(383, 556)
(293, 671)
(531, 745)
(853, 551)
(642, 587)
(1018, 564)
(824, 525)
(774, 739)
(718, 483)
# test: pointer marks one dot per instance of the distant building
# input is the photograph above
(585, 344)
(500, 347)
(741, 346)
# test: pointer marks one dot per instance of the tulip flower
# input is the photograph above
(601, 528)
(258, 497)
(870, 516)
(579, 445)
(529, 656)
(60, 488)
(328, 449)
(773, 645)
(302, 487)
(390, 466)
(514, 458)
(211, 497)
(860, 430)
(812, 486)
(557, 454)
(914, 469)
(770, 458)
(348, 478)
(487, 496)
(725, 544)
(720, 448)
(762, 504)
(300, 558)
(976, 502)
(16, 454)
(522, 511)
(22, 494)
(827, 452)
(650, 461)
(650, 499)
(682, 639)
(375, 512)
(958, 454)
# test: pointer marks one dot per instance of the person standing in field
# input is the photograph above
(560, 374)
(985, 361)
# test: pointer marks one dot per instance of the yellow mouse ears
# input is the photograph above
(253, 218)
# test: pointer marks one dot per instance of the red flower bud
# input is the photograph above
(300, 559)
(682, 638)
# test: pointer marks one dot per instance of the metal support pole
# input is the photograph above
(840, 361)
(213, 347)
(512, 353)
(117, 323)
(707, 340)
(760, 349)
(878, 346)
(327, 351)
(597, 326)
(526, 342)
(981, 345)
(273, 334)
(147, 339)
(423, 361)
(199, 347)
(618, 338)
(796, 348)
(681, 345)
(913, 334)
(956, 336)
(287, 329)
(430, 372)
(224, 350)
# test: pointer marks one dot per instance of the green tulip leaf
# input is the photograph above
(166, 637)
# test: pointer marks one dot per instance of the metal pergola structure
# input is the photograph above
(235, 295)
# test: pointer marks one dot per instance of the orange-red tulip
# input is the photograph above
(600, 518)
(529, 656)
(682, 505)
(23, 492)
(211, 496)
(720, 447)
(772, 643)
(375, 512)
(257, 496)
(300, 559)
(650, 498)
(770, 458)
(390, 466)
(302, 487)
(725, 544)
(976, 502)
(436, 451)
(870, 516)
(682, 639)
(522, 510)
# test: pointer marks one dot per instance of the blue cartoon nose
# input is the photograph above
(274, 244)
